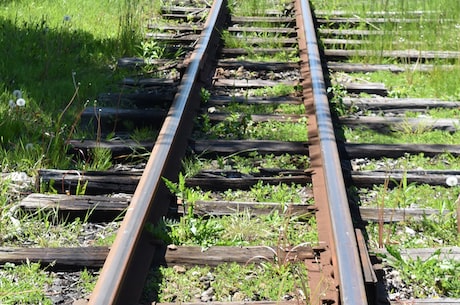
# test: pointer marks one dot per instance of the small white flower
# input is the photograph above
(409, 231)
(20, 102)
(12, 104)
(17, 93)
(451, 181)
(29, 146)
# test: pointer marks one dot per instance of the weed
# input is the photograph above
(87, 281)
(432, 277)
(205, 95)
(23, 284)
(189, 229)
(100, 159)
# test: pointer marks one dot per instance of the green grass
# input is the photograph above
(436, 28)
(60, 55)
(282, 193)
(239, 229)
(23, 284)
(412, 196)
(432, 232)
(261, 109)
(229, 282)
(244, 162)
(433, 277)
(421, 136)
(437, 84)
(255, 7)
(238, 127)
(413, 162)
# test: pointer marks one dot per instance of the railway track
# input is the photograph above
(340, 269)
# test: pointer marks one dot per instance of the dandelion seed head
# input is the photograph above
(20, 102)
(12, 104)
(29, 146)
(17, 93)
(451, 181)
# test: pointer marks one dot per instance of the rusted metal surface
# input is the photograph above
(338, 273)
(121, 279)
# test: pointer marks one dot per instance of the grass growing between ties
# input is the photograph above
(241, 127)
(432, 232)
(419, 136)
(434, 277)
(30, 283)
(229, 282)
(241, 229)
(413, 162)
(238, 229)
(443, 84)
(23, 284)
(433, 24)
(255, 7)
(245, 162)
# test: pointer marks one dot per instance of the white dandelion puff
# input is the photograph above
(12, 104)
(29, 146)
(20, 102)
(17, 93)
(451, 181)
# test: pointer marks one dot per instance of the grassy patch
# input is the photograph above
(262, 109)
(242, 127)
(439, 83)
(244, 162)
(229, 282)
(239, 229)
(255, 7)
(260, 192)
(428, 278)
(413, 162)
(421, 136)
(23, 284)
(432, 232)
(412, 196)
(60, 56)
(436, 28)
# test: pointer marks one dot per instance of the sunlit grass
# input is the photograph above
(432, 232)
(437, 84)
(444, 161)
(425, 196)
(433, 26)
(24, 284)
(229, 282)
(255, 7)
(60, 55)
(426, 137)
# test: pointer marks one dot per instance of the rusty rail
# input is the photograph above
(133, 249)
(124, 272)
(341, 248)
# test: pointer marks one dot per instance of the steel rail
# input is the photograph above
(126, 267)
(348, 265)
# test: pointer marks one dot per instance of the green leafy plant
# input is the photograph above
(23, 284)
(433, 275)
(190, 229)
(205, 95)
